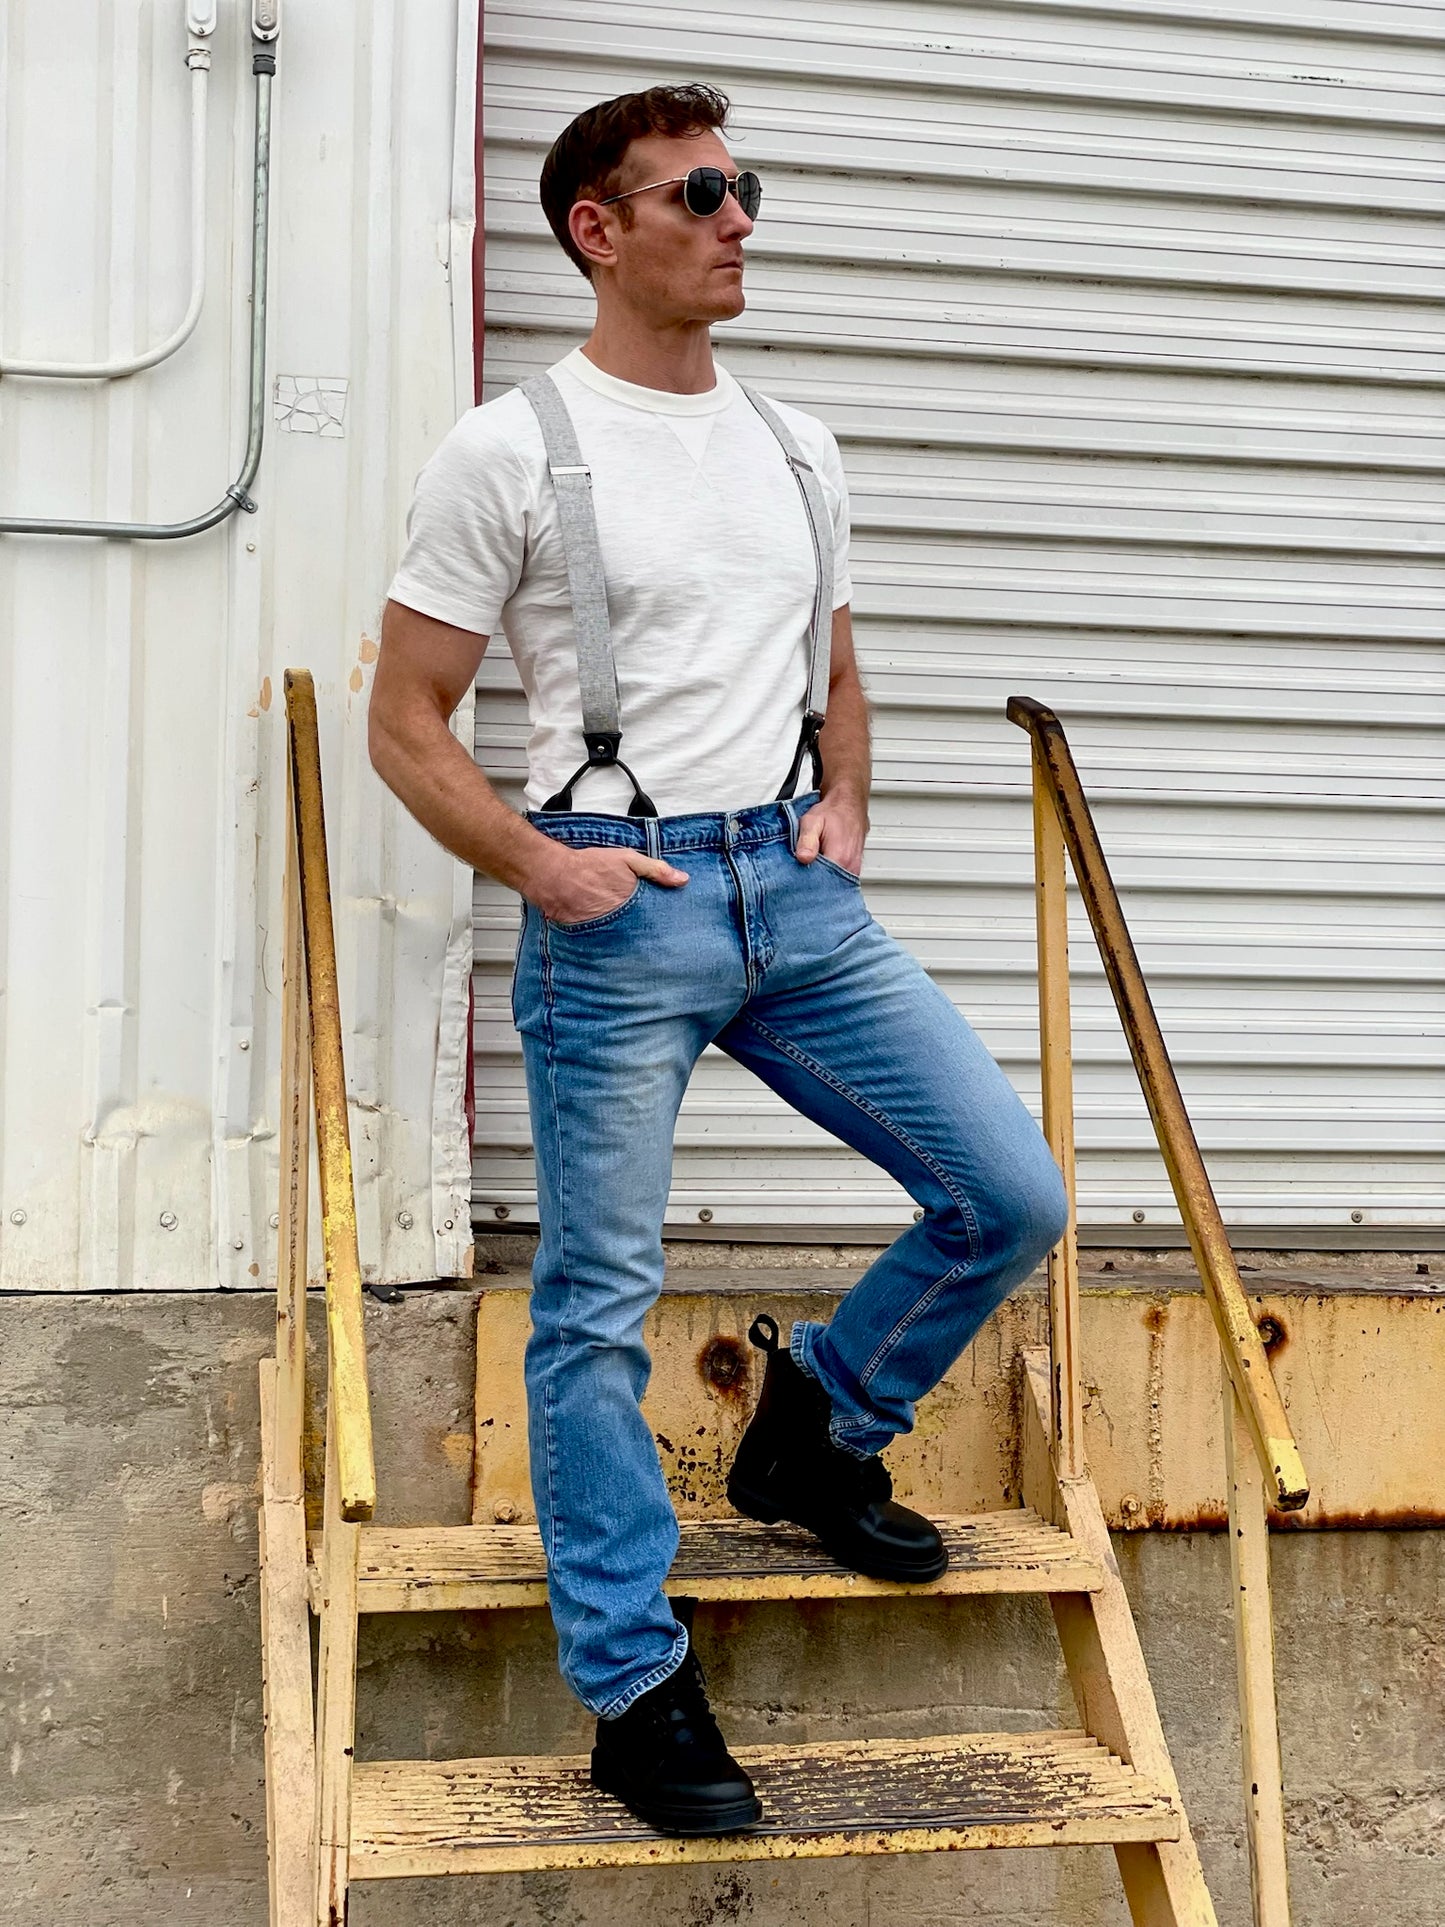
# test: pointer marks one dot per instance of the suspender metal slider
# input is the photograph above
(807, 746)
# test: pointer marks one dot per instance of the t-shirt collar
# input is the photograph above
(657, 401)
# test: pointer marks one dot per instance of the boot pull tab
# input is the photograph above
(763, 1332)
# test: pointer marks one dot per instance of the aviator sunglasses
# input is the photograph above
(705, 189)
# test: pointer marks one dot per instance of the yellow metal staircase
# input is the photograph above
(1109, 1780)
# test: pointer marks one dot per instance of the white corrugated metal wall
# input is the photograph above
(140, 684)
(1127, 318)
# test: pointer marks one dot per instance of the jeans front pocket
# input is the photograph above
(599, 923)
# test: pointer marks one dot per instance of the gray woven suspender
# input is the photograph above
(820, 527)
(587, 588)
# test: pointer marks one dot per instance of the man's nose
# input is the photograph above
(732, 222)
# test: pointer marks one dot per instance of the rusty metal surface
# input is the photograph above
(446, 1568)
(1244, 1355)
(1359, 1369)
(878, 1796)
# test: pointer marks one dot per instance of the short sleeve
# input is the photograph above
(832, 467)
(466, 529)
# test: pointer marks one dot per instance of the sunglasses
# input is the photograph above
(705, 190)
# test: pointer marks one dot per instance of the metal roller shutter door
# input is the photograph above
(1127, 321)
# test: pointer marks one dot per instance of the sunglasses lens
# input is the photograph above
(705, 190)
(750, 193)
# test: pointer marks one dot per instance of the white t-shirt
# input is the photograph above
(710, 579)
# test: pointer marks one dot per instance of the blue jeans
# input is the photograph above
(780, 964)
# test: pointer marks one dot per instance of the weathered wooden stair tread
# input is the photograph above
(412, 1817)
(419, 1568)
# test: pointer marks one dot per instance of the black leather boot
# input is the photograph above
(788, 1467)
(666, 1760)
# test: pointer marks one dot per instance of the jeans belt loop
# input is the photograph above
(792, 815)
(654, 836)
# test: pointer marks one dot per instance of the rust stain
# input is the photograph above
(369, 650)
(265, 692)
(1274, 1334)
(354, 681)
(1215, 1518)
(724, 1367)
(1156, 1317)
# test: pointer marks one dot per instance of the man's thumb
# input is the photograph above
(657, 871)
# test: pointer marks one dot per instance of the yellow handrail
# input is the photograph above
(1244, 1354)
(349, 1400)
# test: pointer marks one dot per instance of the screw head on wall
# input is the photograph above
(169, 1221)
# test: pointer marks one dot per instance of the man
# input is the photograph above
(665, 550)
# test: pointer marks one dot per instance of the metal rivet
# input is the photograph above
(501, 1211)
(275, 1220)
(169, 1221)
(504, 1512)
(238, 1244)
(1138, 1217)
(1131, 1504)
(705, 1215)
(17, 1217)
(918, 1215)
(448, 1225)
(245, 1044)
(250, 548)
(405, 1220)
(1357, 1217)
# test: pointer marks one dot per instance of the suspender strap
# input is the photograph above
(820, 628)
(587, 587)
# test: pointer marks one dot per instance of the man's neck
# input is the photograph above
(677, 360)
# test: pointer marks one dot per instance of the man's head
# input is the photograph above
(648, 247)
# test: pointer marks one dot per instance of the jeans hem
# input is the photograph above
(616, 1707)
(798, 1350)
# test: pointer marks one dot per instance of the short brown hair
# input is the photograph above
(582, 163)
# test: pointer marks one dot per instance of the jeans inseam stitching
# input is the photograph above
(554, 1534)
(930, 1163)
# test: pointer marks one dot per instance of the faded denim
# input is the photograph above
(781, 965)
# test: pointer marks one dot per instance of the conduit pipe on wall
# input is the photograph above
(237, 496)
(198, 59)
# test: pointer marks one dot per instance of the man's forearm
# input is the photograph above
(424, 765)
(844, 741)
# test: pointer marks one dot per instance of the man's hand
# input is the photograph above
(837, 828)
(583, 884)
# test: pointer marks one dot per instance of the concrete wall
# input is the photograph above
(130, 1713)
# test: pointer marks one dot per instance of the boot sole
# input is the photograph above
(687, 1821)
(752, 1506)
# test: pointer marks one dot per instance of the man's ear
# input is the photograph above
(591, 229)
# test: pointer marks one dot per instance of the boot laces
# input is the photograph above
(684, 1711)
(866, 1481)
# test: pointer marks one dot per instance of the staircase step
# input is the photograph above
(445, 1568)
(1053, 1789)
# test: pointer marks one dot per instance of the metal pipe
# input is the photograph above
(1244, 1352)
(198, 59)
(237, 496)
